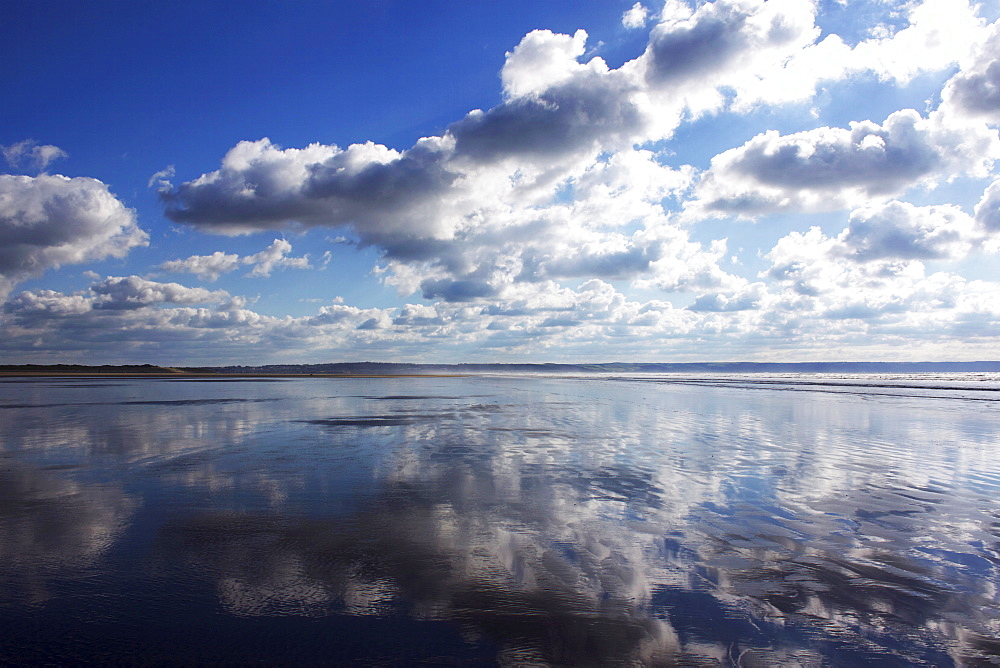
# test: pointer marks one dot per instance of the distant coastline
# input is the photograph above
(355, 369)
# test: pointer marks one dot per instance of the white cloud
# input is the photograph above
(940, 32)
(559, 114)
(492, 217)
(635, 17)
(833, 168)
(876, 277)
(132, 292)
(48, 221)
(31, 154)
(205, 267)
(274, 257)
(902, 231)
(210, 267)
(725, 44)
(542, 60)
(161, 179)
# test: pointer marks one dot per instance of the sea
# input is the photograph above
(529, 520)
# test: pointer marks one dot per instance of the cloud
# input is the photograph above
(558, 114)
(939, 33)
(975, 90)
(747, 299)
(724, 40)
(873, 270)
(274, 257)
(205, 267)
(988, 208)
(466, 214)
(48, 221)
(902, 231)
(457, 290)
(132, 292)
(560, 181)
(210, 267)
(162, 178)
(832, 168)
(635, 17)
(31, 154)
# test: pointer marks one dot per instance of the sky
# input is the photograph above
(265, 183)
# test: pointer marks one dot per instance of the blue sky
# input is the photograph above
(450, 181)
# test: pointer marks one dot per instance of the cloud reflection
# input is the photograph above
(576, 521)
(52, 527)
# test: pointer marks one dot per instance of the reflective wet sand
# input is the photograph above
(523, 520)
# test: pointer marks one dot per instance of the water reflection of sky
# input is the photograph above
(574, 521)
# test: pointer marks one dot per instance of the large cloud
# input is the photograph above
(132, 292)
(832, 168)
(507, 194)
(556, 184)
(873, 270)
(48, 221)
(902, 231)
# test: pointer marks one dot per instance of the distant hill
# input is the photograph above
(403, 368)
(382, 368)
(88, 369)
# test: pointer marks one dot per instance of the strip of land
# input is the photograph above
(378, 369)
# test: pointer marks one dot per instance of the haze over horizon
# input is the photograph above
(786, 181)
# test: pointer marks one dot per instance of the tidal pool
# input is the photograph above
(645, 520)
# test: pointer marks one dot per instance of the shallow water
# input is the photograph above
(661, 519)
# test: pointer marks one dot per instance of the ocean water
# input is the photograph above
(647, 520)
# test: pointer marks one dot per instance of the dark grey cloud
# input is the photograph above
(988, 208)
(975, 90)
(463, 290)
(978, 93)
(611, 265)
(687, 51)
(587, 114)
(878, 159)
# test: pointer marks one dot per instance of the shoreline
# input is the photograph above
(182, 374)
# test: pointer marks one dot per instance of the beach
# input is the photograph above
(585, 520)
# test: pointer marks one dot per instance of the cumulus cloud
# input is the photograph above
(31, 154)
(939, 33)
(130, 299)
(635, 17)
(558, 114)
(205, 267)
(902, 231)
(466, 214)
(274, 257)
(975, 90)
(831, 168)
(725, 43)
(48, 221)
(988, 208)
(210, 267)
(557, 183)
(132, 292)
(874, 269)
